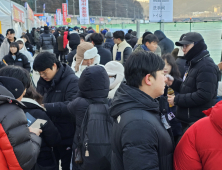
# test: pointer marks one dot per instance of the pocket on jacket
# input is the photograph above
(118, 56)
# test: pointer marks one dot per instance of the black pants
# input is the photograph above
(61, 54)
(63, 153)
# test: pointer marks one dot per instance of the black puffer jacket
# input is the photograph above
(19, 148)
(57, 94)
(70, 56)
(20, 60)
(105, 54)
(74, 41)
(181, 63)
(133, 41)
(109, 44)
(47, 40)
(29, 47)
(50, 134)
(139, 139)
(165, 43)
(199, 90)
(92, 86)
(56, 35)
(1, 39)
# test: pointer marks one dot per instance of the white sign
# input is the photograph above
(161, 10)
(84, 11)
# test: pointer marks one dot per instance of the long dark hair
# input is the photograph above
(171, 61)
(26, 37)
(33, 94)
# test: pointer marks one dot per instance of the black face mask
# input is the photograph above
(196, 50)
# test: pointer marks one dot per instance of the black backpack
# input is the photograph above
(94, 148)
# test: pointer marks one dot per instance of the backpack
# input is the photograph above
(94, 148)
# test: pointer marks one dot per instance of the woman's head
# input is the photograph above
(14, 48)
(170, 66)
(33, 94)
(25, 38)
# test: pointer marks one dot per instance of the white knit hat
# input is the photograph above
(114, 68)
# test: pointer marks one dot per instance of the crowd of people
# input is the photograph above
(109, 100)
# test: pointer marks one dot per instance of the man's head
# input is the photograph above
(47, 65)
(151, 42)
(118, 37)
(144, 70)
(188, 41)
(46, 28)
(134, 33)
(109, 35)
(53, 30)
(96, 39)
(130, 31)
(144, 35)
(10, 34)
(76, 28)
(82, 38)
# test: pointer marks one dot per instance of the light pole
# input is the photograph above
(35, 7)
(101, 3)
(115, 9)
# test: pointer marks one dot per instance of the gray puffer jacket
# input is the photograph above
(47, 40)
(19, 148)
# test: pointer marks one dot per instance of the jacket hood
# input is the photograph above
(215, 116)
(32, 104)
(23, 48)
(160, 35)
(94, 82)
(128, 36)
(131, 98)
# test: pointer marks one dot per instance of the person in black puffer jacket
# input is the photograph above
(96, 89)
(198, 90)
(139, 139)
(58, 86)
(165, 43)
(50, 134)
(16, 58)
(1, 39)
(109, 43)
(47, 40)
(74, 41)
(56, 34)
(133, 40)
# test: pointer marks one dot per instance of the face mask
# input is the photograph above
(111, 80)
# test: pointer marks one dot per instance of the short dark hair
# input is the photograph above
(139, 64)
(150, 38)
(14, 44)
(171, 61)
(97, 38)
(26, 37)
(82, 36)
(12, 31)
(45, 60)
(130, 31)
(119, 34)
(144, 35)
(18, 73)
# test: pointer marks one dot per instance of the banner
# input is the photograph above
(30, 13)
(43, 8)
(101, 20)
(92, 20)
(64, 12)
(67, 4)
(55, 19)
(59, 17)
(18, 15)
(49, 20)
(161, 10)
(84, 11)
(109, 19)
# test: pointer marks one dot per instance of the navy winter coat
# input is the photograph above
(105, 54)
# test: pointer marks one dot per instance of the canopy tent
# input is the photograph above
(5, 18)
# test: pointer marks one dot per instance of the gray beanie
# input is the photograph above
(109, 35)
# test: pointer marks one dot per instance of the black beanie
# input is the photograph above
(13, 85)
(46, 28)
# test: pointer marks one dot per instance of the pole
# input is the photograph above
(35, 7)
(138, 28)
(101, 6)
(134, 10)
(190, 24)
(115, 9)
(73, 7)
(12, 13)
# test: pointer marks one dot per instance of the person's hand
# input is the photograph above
(35, 130)
(220, 66)
(170, 99)
(169, 80)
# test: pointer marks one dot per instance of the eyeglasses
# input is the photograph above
(43, 73)
(185, 46)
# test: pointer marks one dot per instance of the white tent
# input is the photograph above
(5, 17)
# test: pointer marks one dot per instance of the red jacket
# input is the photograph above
(201, 146)
(65, 40)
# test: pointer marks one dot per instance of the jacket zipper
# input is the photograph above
(188, 112)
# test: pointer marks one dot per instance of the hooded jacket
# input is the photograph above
(200, 146)
(50, 134)
(26, 53)
(74, 41)
(36, 36)
(20, 60)
(93, 84)
(165, 43)
(65, 40)
(56, 95)
(29, 48)
(19, 148)
(109, 43)
(105, 55)
(198, 90)
(47, 40)
(139, 139)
